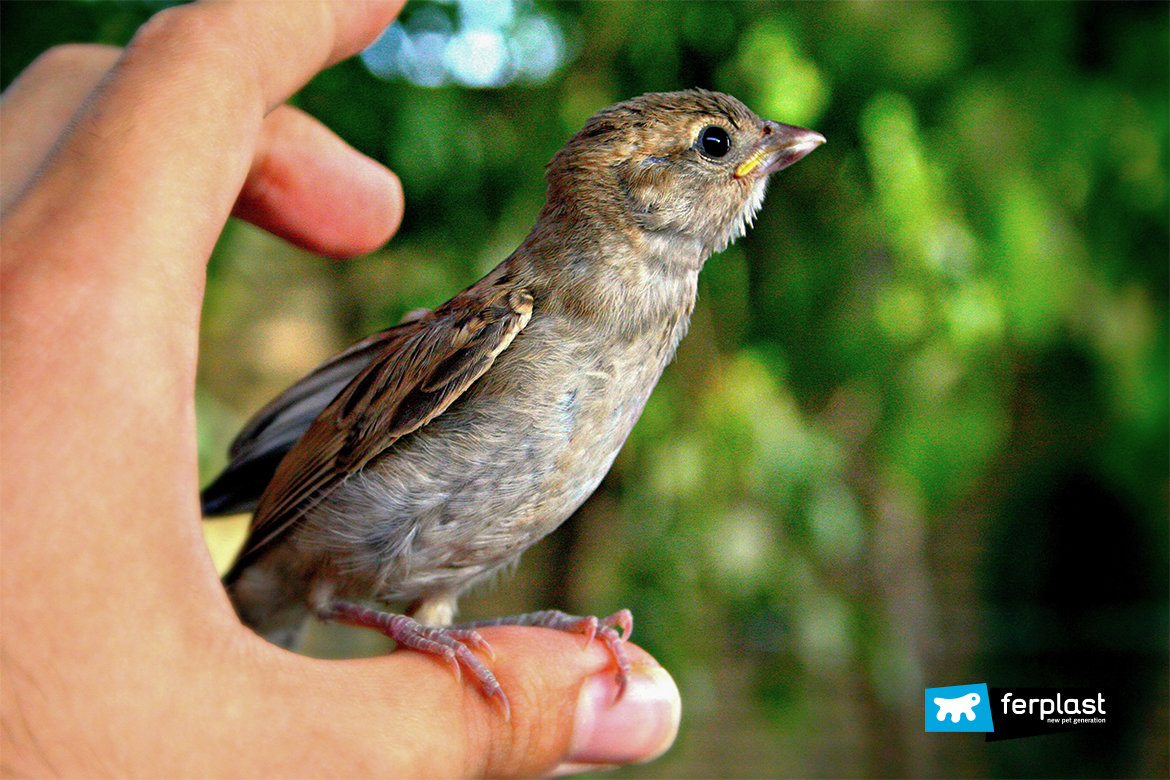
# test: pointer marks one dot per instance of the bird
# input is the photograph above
(427, 457)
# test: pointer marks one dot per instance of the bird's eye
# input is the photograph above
(714, 141)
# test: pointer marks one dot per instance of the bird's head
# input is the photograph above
(690, 166)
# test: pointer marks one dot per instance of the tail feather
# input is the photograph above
(268, 606)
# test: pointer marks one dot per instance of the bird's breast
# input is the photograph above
(502, 467)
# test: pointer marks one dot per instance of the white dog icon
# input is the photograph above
(959, 706)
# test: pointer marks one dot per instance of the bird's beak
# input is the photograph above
(781, 146)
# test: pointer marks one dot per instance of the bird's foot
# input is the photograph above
(452, 645)
(613, 631)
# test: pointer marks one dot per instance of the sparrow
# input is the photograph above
(427, 457)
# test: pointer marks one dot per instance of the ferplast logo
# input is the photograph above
(958, 708)
(1008, 713)
(1056, 711)
(1028, 712)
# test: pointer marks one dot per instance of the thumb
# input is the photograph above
(566, 714)
(406, 715)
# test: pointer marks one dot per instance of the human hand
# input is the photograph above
(120, 652)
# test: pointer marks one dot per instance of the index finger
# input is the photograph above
(103, 255)
(173, 128)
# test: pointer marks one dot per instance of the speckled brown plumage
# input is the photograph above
(429, 456)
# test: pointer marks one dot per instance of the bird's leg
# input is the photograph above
(452, 645)
(613, 631)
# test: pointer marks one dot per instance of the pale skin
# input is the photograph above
(119, 650)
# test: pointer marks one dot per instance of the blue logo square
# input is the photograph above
(958, 708)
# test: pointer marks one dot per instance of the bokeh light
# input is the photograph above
(489, 44)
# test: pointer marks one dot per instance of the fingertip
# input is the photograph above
(395, 206)
(566, 714)
(638, 727)
(359, 23)
(312, 189)
(361, 218)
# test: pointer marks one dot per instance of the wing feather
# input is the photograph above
(419, 372)
(260, 446)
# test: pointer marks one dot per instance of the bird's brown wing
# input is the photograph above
(422, 369)
(262, 444)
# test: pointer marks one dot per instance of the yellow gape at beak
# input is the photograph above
(749, 165)
(781, 146)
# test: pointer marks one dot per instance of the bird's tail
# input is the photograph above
(267, 605)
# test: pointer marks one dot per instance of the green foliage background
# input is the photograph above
(918, 435)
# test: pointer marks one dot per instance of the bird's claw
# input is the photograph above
(613, 631)
(453, 645)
